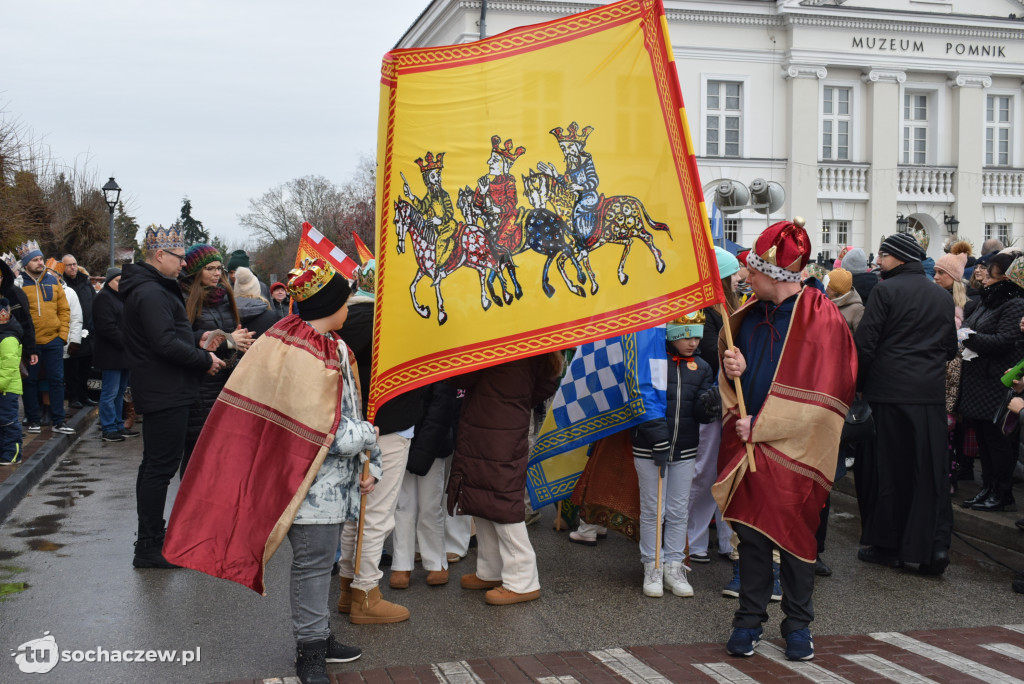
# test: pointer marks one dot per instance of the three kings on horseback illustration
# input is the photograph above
(566, 220)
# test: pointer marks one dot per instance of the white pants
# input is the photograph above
(379, 517)
(457, 528)
(702, 504)
(675, 502)
(504, 552)
(419, 520)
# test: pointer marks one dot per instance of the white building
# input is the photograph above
(862, 109)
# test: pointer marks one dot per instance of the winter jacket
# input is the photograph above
(398, 413)
(19, 309)
(708, 346)
(435, 433)
(75, 326)
(160, 347)
(852, 308)
(10, 357)
(51, 315)
(488, 473)
(256, 314)
(280, 309)
(864, 283)
(212, 317)
(905, 339)
(678, 430)
(108, 330)
(86, 298)
(996, 339)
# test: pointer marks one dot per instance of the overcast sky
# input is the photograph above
(219, 100)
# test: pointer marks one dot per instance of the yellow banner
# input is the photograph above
(536, 190)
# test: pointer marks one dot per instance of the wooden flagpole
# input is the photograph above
(362, 518)
(738, 386)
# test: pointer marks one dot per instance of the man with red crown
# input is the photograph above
(795, 412)
(495, 196)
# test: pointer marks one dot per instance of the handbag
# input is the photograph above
(859, 425)
(1006, 419)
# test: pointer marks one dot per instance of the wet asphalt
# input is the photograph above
(65, 568)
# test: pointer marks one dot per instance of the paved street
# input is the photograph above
(70, 544)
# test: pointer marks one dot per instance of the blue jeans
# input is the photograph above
(51, 357)
(10, 427)
(115, 382)
(313, 550)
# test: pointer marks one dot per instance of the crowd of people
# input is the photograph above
(907, 390)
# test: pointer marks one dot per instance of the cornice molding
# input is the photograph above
(559, 8)
(884, 76)
(949, 29)
(796, 70)
(969, 80)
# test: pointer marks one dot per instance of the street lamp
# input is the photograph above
(951, 222)
(901, 223)
(111, 193)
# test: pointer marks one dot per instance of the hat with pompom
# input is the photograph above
(782, 251)
(952, 264)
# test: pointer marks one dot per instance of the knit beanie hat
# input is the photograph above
(952, 264)
(856, 261)
(198, 256)
(318, 289)
(246, 284)
(727, 263)
(277, 285)
(839, 281)
(685, 327)
(111, 274)
(238, 258)
(902, 246)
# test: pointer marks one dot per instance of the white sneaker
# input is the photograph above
(675, 579)
(653, 580)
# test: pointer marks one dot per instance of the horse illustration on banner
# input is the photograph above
(565, 221)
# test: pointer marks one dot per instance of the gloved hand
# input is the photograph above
(73, 348)
(660, 455)
(709, 406)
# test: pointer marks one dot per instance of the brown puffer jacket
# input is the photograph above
(488, 475)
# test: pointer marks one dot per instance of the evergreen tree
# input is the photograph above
(193, 229)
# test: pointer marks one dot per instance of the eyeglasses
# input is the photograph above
(181, 257)
(213, 269)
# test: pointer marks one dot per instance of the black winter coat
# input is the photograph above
(212, 318)
(435, 433)
(399, 413)
(708, 346)
(905, 338)
(996, 340)
(863, 283)
(108, 331)
(159, 344)
(19, 310)
(679, 430)
(86, 297)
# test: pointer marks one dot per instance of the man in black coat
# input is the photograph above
(109, 357)
(165, 365)
(903, 342)
(79, 361)
(19, 311)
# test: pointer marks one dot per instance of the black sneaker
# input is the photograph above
(339, 653)
(151, 556)
(34, 428)
(129, 433)
(64, 429)
(113, 437)
(311, 662)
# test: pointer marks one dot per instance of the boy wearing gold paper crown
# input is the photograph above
(667, 448)
(283, 458)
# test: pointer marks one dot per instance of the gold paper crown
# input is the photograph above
(310, 277)
(694, 318)
(429, 162)
(573, 133)
(506, 151)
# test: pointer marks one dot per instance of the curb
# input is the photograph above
(14, 488)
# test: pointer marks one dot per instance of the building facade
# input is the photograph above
(865, 111)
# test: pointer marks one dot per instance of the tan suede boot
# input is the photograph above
(345, 599)
(370, 608)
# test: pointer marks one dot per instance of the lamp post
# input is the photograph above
(111, 193)
(951, 222)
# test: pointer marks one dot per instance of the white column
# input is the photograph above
(969, 127)
(804, 106)
(884, 153)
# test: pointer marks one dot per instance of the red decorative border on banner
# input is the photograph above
(708, 288)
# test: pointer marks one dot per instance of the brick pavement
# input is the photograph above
(968, 655)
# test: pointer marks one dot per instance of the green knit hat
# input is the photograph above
(238, 258)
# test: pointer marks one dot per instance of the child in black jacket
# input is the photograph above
(666, 448)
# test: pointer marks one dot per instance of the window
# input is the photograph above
(997, 130)
(915, 128)
(999, 231)
(724, 111)
(834, 236)
(835, 124)
(731, 229)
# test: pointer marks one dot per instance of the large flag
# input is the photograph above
(364, 252)
(610, 385)
(537, 190)
(313, 245)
